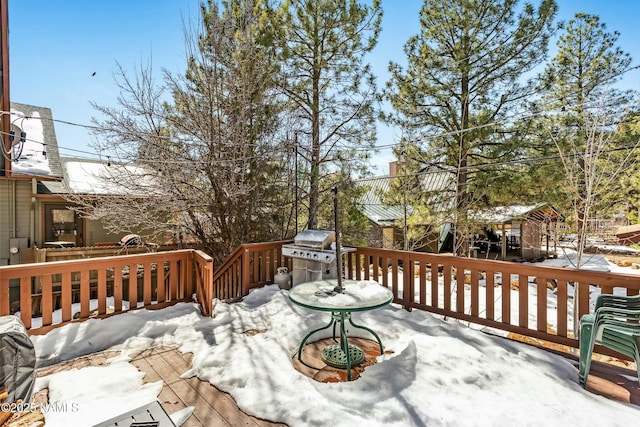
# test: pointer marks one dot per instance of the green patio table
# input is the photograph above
(357, 295)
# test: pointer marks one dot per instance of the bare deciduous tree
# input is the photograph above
(200, 154)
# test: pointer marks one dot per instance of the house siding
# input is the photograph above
(24, 214)
(95, 233)
(16, 217)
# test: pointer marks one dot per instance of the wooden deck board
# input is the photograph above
(212, 407)
(610, 377)
(612, 381)
(223, 404)
(166, 371)
(205, 411)
(170, 401)
(143, 365)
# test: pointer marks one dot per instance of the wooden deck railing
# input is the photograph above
(203, 269)
(494, 294)
(115, 284)
(499, 287)
(250, 266)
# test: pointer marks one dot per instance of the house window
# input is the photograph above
(63, 226)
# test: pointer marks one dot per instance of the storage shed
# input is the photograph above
(521, 230)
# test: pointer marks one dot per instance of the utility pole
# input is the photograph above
(296, 177)
(5, 102)
(403, 183)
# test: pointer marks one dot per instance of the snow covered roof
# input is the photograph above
(102, 178)
(96, 178)
(37, 155)
(504, 214)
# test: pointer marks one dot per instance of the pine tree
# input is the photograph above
(464, 76)
(585, 109)
(331, 91)
(585, 114)
(625, 197)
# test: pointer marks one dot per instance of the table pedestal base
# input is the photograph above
(335, 356)
(343, 351)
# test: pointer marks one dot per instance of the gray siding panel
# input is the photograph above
(23, 208)
(21, 219)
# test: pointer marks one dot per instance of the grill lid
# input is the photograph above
(317, 239)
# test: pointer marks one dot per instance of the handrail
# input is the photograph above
(251, 265)
(226, 265)
(203, 266)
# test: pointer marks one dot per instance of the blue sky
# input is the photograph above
(55, 46)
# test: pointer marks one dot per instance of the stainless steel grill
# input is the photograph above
(315, 239)
(314, 256)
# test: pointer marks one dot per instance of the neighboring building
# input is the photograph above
(518, 230)
(628, 235)
(81, 179)
(34, 190)
(387, 222)
(514, 231)
(32, 159)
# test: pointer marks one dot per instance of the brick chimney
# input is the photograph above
(393, 168)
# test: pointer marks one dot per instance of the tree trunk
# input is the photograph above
(461, 241)
(314, 182)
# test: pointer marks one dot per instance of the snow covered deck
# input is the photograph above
(214, 407)
(245, 344)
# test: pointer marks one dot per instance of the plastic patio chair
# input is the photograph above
(615, 324)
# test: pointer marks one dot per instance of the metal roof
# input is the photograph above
(435, 185)
(438, 186)
(371, 202)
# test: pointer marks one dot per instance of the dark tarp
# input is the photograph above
(17, 360)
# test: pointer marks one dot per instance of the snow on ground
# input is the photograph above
(440, 372)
